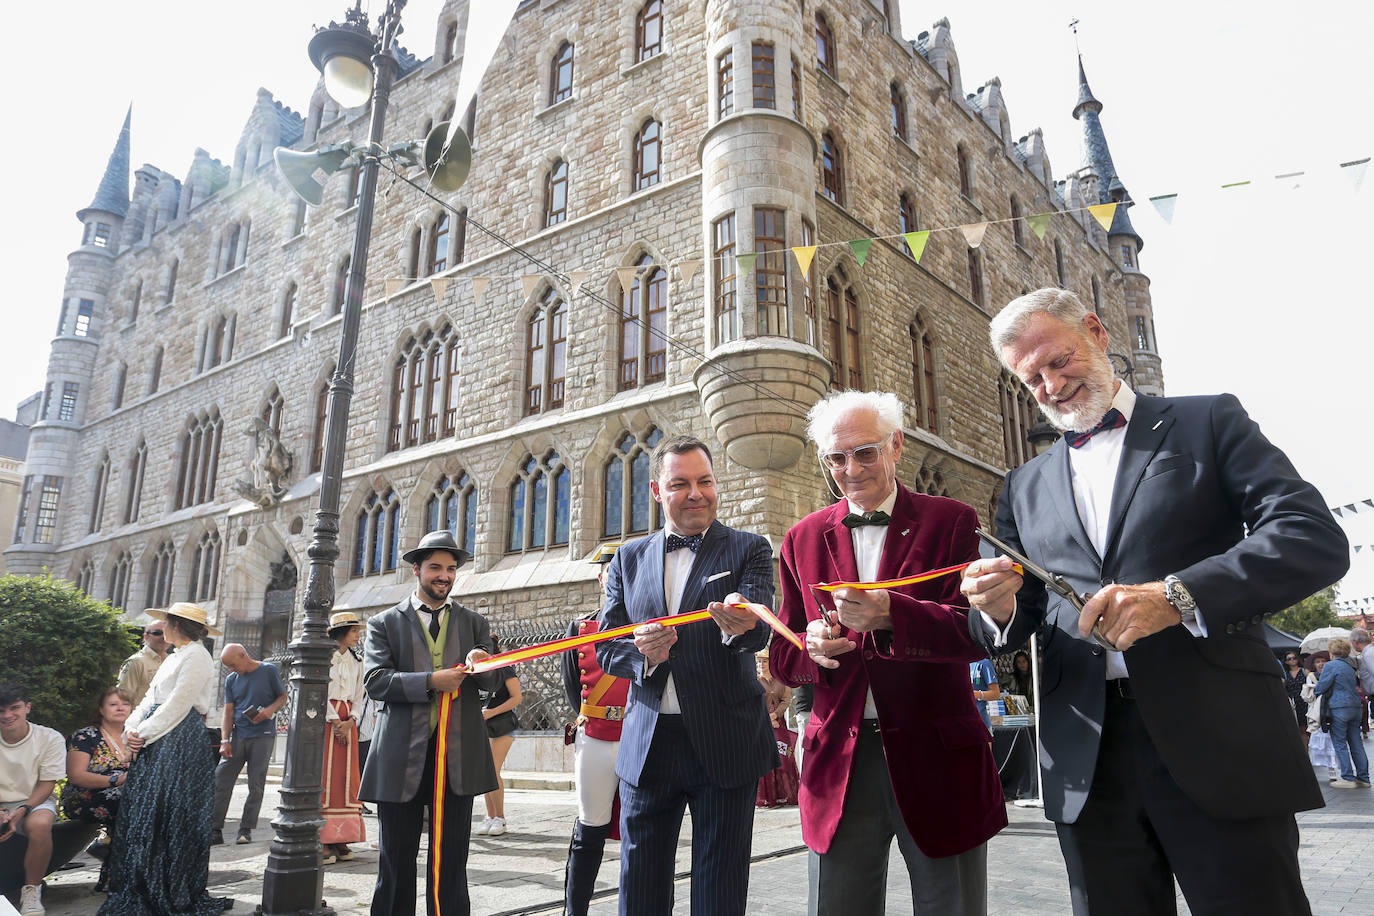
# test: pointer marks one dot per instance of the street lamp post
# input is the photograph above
(294, 880)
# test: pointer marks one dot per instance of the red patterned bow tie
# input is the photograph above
(1111, 420)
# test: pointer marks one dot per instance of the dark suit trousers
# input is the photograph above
(401, 823)
(651, 819)
(1138, 832)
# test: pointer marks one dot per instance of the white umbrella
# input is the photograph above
(1318, 640)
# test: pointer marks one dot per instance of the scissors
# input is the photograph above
(1053, 581)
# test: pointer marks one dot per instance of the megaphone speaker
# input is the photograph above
(298, 168)
(447, 169)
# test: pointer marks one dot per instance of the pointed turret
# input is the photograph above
(113, 194)
(1098, 157)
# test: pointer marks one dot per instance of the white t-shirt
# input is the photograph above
(40, 756)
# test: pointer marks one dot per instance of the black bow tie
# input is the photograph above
(1112, 419)
(854, 520)
(692, 542)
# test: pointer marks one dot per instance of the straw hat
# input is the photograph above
(186, 611)
(605, 552)
(344, 619)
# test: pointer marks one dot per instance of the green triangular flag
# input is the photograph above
(1039, 223)
(860, 249)
(916, 241)
(746, 263)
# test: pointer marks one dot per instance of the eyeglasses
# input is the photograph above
(152, 632)
(1291, 658)
(865, 455)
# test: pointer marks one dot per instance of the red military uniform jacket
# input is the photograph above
(599, 698)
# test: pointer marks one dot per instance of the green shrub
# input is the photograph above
(62, 645)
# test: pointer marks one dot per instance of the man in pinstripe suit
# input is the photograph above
(697, 733)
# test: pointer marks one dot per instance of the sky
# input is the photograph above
(1257, 290)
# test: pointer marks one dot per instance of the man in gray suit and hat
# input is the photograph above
(410, 655)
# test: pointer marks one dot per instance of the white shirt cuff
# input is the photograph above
(998, 634)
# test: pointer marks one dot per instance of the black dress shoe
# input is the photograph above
(216, 837)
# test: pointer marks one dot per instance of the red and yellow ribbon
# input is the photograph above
(898, 583)
(436, 808)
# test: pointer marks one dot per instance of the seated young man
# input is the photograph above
(32, 759)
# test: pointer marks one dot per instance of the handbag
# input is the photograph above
(1327, 719)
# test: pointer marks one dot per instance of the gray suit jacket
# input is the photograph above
(396, 661)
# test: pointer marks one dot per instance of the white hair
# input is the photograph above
(1008, 324)
(829, 410)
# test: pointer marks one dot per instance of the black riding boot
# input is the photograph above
(584, 861)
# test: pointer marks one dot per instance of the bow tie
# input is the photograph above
(854, 520)
(692, 542)
(1112, 419)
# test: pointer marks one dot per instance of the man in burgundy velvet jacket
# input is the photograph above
(895, 747)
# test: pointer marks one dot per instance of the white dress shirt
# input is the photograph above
(425, 612)
(183, 682)
(345, 683)
(677, 566)
(868, 551)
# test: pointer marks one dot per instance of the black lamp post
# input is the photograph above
(1127, 370)
(350, 57)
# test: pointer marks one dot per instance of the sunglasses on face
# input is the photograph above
(865, 455)
(154, 633)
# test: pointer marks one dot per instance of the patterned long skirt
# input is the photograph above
(343, 813)
(160, 863)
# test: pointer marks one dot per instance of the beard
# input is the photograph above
(1098, 387)
(435, 593)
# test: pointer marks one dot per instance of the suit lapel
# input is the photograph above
(1057, 478)
(841, 545)
(453, 641)
(1150, 423)
(649, 585)
(704, 561)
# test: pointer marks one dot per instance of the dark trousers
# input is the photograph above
(256, 753)
(851, 878)
(400, 824)
(651, 819)
(1138, 832)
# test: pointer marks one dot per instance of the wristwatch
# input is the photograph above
(1177, 594)
(114, 780)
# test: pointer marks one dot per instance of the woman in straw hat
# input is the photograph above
(343, 813)
(161, 858)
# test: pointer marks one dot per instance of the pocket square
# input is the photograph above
(719, 575)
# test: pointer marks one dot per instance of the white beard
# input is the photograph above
(1090, 410)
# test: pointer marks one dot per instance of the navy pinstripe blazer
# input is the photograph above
(715, 676)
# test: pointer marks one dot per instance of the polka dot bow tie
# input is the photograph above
(1111, 420)
(692, 542)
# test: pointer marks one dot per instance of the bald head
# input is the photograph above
(236, 658)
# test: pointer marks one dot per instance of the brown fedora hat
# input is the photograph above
(436, 540)
(186, 611)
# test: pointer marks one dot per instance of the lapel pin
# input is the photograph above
(905, 532)
(1156, 426)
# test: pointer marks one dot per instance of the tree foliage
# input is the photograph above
(62, 645)
(1311, 613)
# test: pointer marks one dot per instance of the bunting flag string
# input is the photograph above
(688, 269)
(974, 232)
(440, 286)
(860, 249)
(1352, 508)
(804, 254)
(916, 241)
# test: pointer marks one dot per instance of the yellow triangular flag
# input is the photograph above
(1039, 223)
(394, 285)
(479, 287)
(626, 276)
(804, 255)
(687, 269)
(1103, 213)
(916, 241)
(440, 286)
(528, 282)
(973, 233)
(578, 277)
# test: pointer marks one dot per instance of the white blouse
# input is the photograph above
(184, 681)
(345, 683)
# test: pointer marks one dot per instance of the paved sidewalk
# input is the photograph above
(522, 872)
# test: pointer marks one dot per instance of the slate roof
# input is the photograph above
(113, 194)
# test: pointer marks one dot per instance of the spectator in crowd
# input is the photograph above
(1294, 680)
(367, 725)
(138, 670)
(339, 805)
(160, 862)
(1363, 653)
(30, 765)
(1338, 689)
(779, 787)
(253, 692)
(985, 687)
(1320, 750)
(1020, 681)
(97, 767)
(501, 721)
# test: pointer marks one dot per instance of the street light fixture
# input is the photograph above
(1127, 370)
(1041, 436)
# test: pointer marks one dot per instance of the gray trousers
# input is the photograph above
(256, 753)
(851, 879)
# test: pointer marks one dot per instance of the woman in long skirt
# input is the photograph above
(343, 813)
(160, 863)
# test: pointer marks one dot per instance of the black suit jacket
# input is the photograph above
(1201, 494)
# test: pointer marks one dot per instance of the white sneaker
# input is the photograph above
(31, 901)
(484, 828)
(498, 826)
(1337, 784)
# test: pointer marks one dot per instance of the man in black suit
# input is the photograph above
(1174, 757)
(697, 734)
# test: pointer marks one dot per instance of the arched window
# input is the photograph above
(450, 43)
(86, 578)
(965, 172)
(377, 542)
(647, 155)
(272, 410)
(453, 506)
(102, 482)
(205, 568)
(1060, 273)
(539, 500)
(199, 460)
(160, 570)
(723, 274)
(336, 302)
(825, 46)
(931, 482)
(770, 273)
(725, 83)
(217, 344)
(1142, 334)
(119, 580)
(235, 246)
(155, 370)
(1097, 296)
(121, 375)
(796, 88)
(288, 310)
(460, 236)
(906, 217)
(437, 260)
(133, 495)
(321, 411)
(629, 508)
(1018, 230)
(354, 189)
(424, 389)
(561, 75)
(649, 30)
(546, 354)
(842, 331)
(832, 169)
(134, 302)
(1019, 414)
(765, 80)
(298, 220)
(923, 376)
(643, 326)
(808, 237)
(556, 194)
(975, 276)
(171, 282)
(413, 254)
(898, 112)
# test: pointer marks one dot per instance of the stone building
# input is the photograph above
(618, 147)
